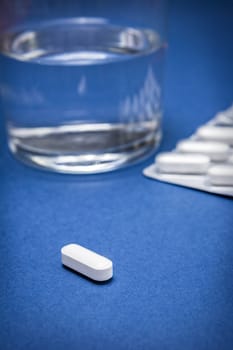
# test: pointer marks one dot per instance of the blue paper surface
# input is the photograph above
(172, 247)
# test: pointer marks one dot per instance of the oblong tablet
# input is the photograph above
(224, 118)
(217, 151)
(216, 133)
(221, 175)
(170, 162)
(86, 262)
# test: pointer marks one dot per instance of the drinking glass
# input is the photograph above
(81, 81)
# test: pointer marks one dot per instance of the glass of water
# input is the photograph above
(81, 81)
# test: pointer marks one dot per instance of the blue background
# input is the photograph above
(172, 247)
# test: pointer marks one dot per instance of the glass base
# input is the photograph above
(83, 149)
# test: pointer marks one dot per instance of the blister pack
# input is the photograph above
(203, 161)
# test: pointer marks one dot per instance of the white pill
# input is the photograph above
(221, 175)
(170, 162)
(216, 133)
(224, 119)
(86, 262)
(217, 151)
